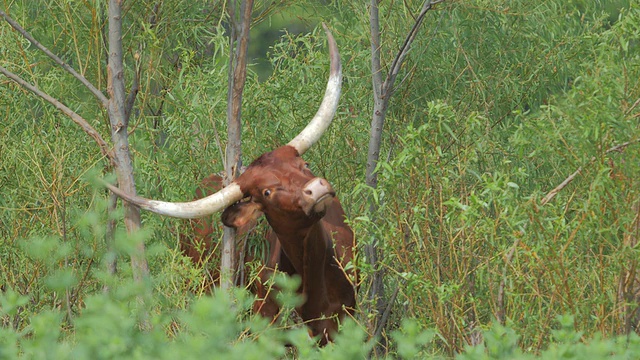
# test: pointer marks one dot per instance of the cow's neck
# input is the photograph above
(309, 251)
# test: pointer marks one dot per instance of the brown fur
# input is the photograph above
(313, 245)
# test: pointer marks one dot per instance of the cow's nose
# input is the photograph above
(318, 194)
(317, 189)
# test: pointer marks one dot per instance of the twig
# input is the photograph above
(570, 178)
(387, 312)
(133, 92)
(500, 302)
(635, 104)
(99, 95)
(387, 87)
(104, 148)
(562, 185)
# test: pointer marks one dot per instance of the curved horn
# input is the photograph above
(327, 110)
(186, 210)
(232, 192)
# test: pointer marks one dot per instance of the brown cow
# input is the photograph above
(312, 239)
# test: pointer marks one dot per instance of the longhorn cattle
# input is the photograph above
(309, 235)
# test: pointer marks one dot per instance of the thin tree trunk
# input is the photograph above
(118, 154)
(119, 135)
(382, 92)
(239, 43)
(376, 291)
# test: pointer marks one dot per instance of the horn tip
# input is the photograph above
(334, 54)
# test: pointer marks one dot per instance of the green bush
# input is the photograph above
(497, 104)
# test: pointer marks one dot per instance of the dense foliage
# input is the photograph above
(498, 104)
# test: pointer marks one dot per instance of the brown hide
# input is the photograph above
(308, 237)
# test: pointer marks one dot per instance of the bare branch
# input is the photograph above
(570, 178)
(387, 311)
(635, 104)
(104, 148)
(99, 95)
(239, 43)
(387, 89)
(376, 67)
(133, 92)
(562, 185)
(384, 90)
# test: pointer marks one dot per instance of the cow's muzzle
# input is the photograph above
(317, 196)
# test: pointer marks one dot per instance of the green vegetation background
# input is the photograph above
(498, 103)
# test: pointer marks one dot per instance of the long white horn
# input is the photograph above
(186, 210)
(327, 110)
(232, 192)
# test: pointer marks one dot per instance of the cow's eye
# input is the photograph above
(306, 165)
(266, 192)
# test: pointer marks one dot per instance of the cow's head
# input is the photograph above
(280, 185)
(277, 184)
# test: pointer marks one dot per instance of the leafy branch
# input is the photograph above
(97, 93)
(105, 149)
(551, 194)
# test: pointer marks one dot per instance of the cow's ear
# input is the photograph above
(241, 214)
